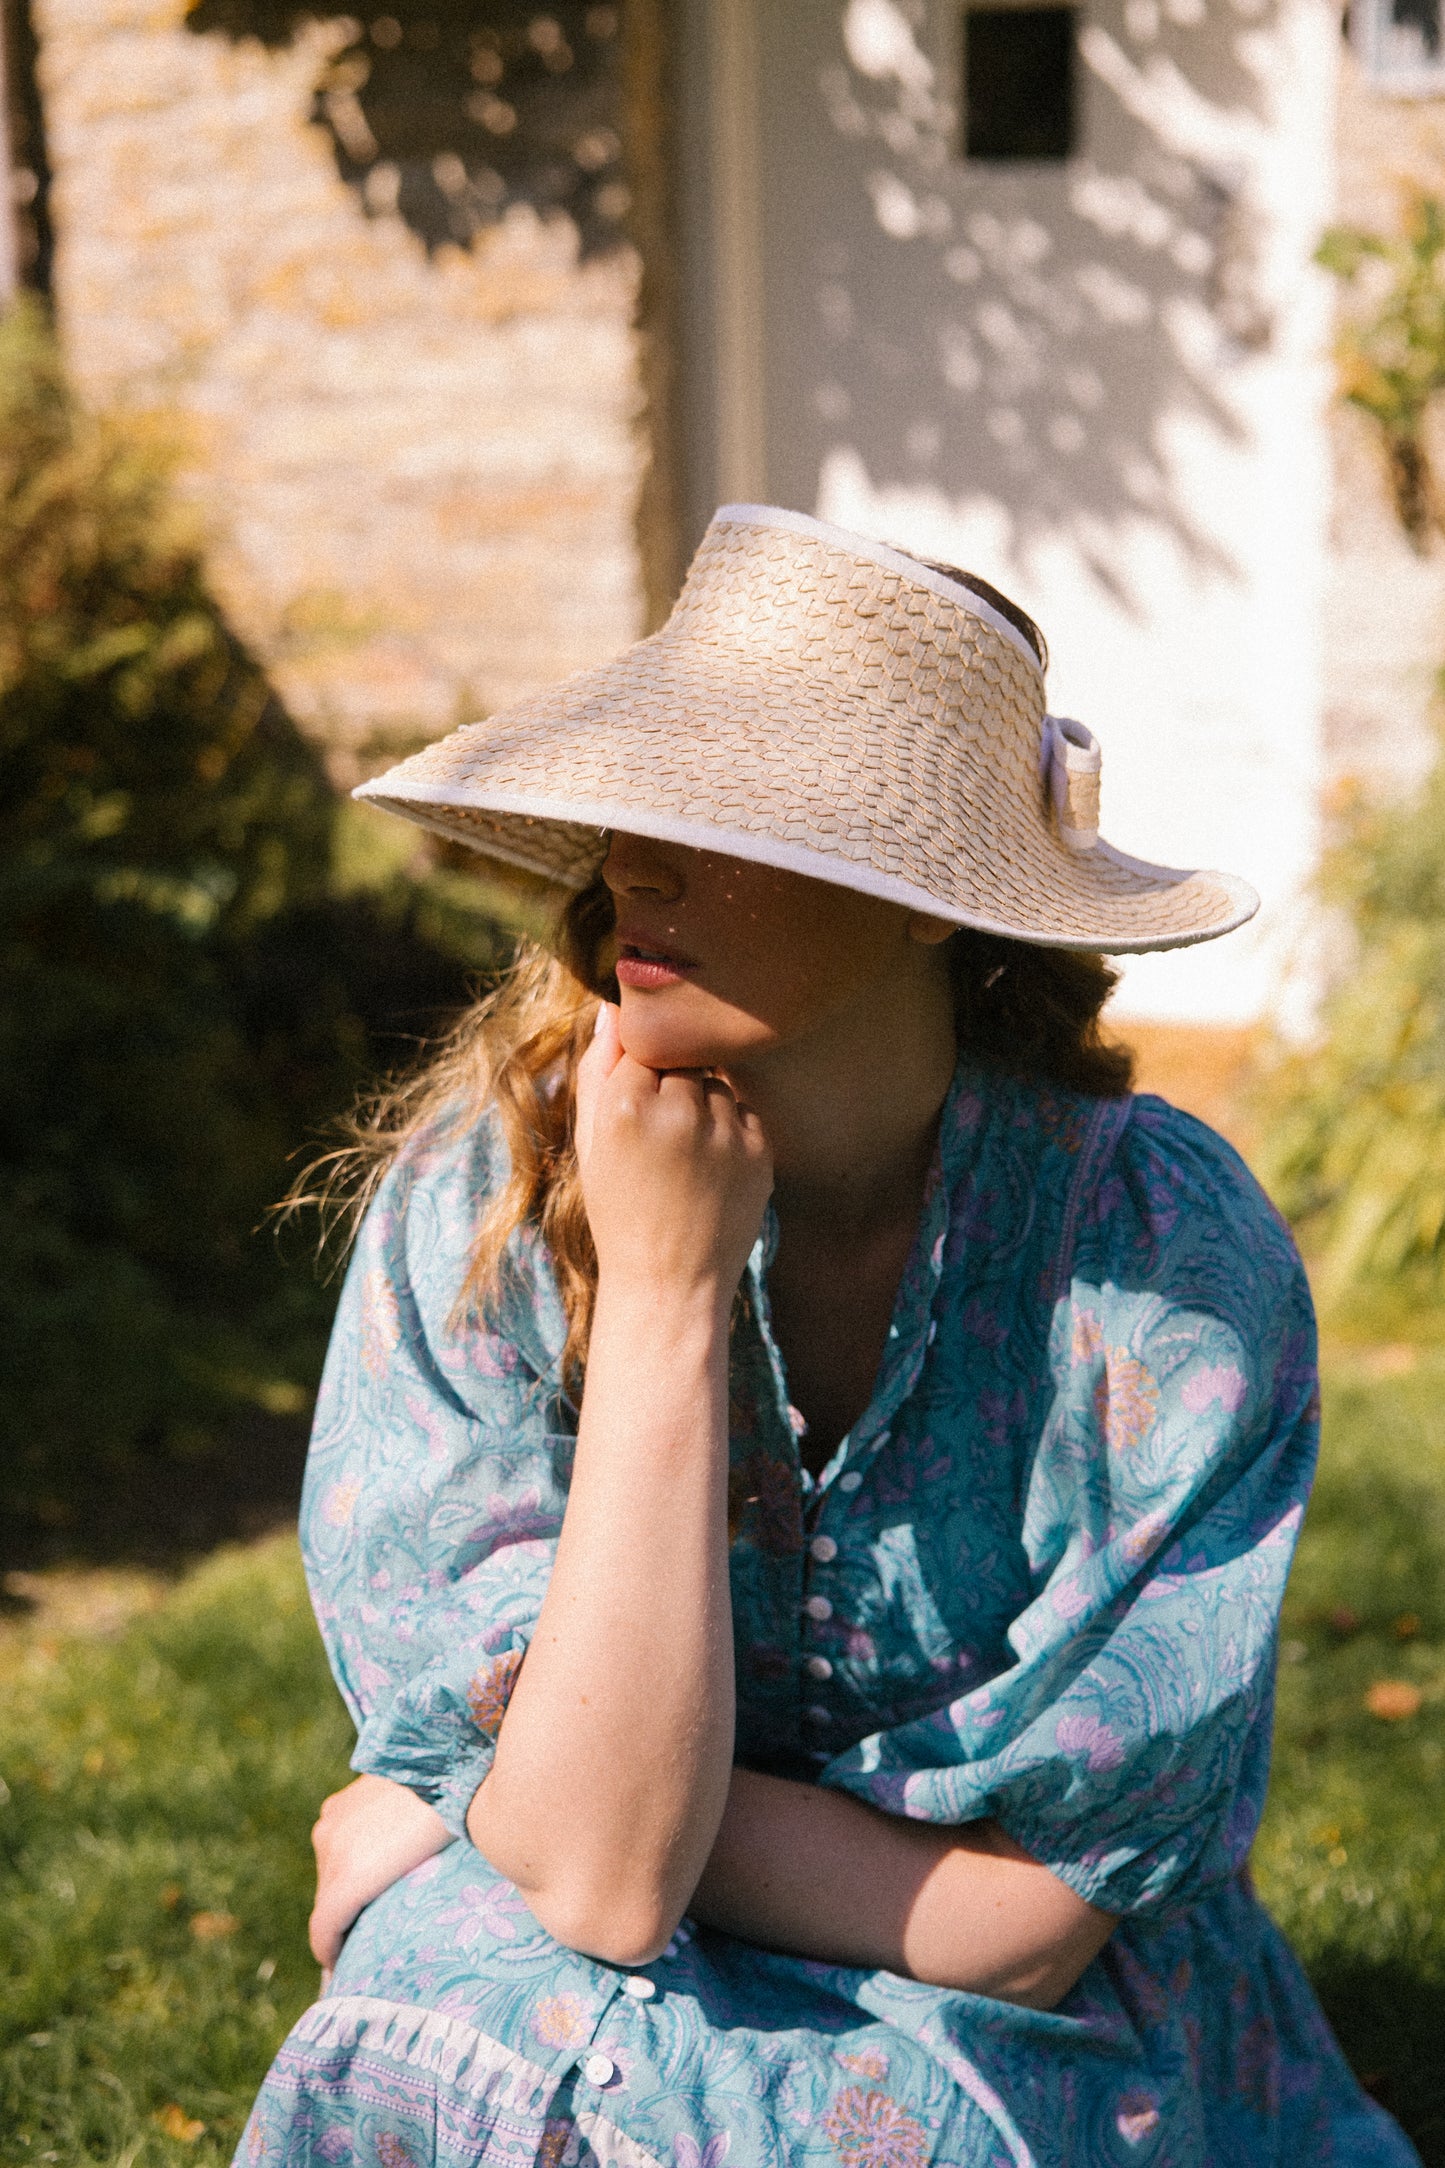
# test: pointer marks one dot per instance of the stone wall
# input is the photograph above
(1384, 628)
(420, 471)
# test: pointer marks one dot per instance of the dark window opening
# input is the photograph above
(1420, 19)
(1019, 93)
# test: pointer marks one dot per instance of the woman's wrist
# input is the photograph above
(660, 1353)
(652, 1312)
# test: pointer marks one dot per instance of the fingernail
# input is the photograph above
(597, 1022)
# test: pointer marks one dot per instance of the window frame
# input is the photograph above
(1369, 28)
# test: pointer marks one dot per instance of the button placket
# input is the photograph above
(818, 1612)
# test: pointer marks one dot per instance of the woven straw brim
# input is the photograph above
(771, 761)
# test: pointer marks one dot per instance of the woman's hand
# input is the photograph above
(367, 1836)
(675, 1173)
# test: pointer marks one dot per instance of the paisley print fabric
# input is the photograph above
(1053, 1552)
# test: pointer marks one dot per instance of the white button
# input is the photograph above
(816, 1715)
(818, 1607)
(851, 1481)
(599, 2070)
(639, 1987)
(824, 1549)
(818, 1667)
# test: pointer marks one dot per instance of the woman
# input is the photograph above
(807, 1465)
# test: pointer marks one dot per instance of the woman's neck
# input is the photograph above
(852, 1111)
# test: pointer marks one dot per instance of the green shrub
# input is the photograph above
(1353, 1143)
(185, 996)
(1352, 1132)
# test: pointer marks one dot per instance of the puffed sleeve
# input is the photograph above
(436, 1479)
(1126, 1744)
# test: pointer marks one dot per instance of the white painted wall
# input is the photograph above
(1099, 384)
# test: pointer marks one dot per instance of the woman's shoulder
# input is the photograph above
(461, 1154)
(1176, 1159)
(419, 1236)
(1178, 1214)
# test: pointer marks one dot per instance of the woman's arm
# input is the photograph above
(817, 1872)
(614, 1757)
(794, 1868)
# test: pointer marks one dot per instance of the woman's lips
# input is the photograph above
(646, 969)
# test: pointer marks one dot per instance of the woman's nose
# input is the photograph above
(635, 865)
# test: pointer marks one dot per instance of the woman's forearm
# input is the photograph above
(614, 1758)
(818, 1873)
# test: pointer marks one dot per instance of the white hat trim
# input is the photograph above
(816, 865)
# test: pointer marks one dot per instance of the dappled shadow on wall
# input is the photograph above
(1023, 322)
(448, 113)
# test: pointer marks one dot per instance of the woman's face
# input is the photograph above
(720, 960)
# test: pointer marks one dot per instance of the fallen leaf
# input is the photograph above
(1392, 1700)
(173, 2121)
(213, 1926)
(1407, 1625)
(1343, 1620)
(171, 1895)
(1395, 1360)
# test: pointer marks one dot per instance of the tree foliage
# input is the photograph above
(184, 997)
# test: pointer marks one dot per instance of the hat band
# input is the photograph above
(1071, 762)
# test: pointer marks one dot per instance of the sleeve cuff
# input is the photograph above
(449, 1791)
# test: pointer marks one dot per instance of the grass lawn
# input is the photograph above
(160, 1777)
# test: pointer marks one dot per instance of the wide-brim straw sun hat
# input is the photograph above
(825, 704)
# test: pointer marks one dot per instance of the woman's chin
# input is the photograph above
(657, 1031)
(672, 1050)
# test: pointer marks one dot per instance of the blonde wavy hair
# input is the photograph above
(1018, 1009)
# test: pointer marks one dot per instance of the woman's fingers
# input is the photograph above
(596, 1065)
(366, 1837)
(324, 1943)
(330, 1923)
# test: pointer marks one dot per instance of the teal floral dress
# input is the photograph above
(1040, 1580)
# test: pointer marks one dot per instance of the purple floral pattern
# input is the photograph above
(1055, 1548)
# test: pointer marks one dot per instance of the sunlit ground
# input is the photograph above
(163, 1752)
